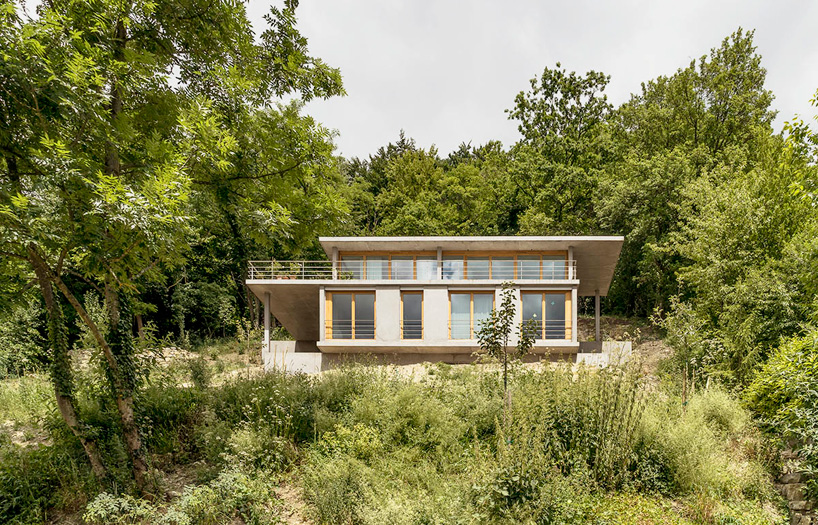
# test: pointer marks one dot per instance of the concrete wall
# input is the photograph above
(435, 315)
(387, 313)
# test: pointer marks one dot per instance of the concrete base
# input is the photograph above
(303, 356)
(604, 353)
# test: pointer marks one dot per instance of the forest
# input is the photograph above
(149, 150)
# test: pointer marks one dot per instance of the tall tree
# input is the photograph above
(557, 163)
(710, 119)
(106, 109)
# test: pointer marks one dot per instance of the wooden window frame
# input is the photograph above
(328, 314)
(422, 314)
(465, 255)
(569, 312)
(471, 295)
(388, 255)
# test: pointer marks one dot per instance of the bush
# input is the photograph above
(698, 448)
(783, 395)
(233, 495)
(23, 346)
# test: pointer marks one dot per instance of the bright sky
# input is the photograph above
(446, 70)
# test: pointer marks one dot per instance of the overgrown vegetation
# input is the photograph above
(379, 445)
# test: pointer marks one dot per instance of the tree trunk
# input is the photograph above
(61, 374)
(123, 396)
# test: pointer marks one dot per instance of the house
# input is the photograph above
(413, 299)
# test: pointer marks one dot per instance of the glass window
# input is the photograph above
(483, 303)
(502, 268)
(477, 267)
(555, 316)
(353, 315)
(453, 267)
(377, 267)
(364, 316)
(352, 267)
(403, 268)
(469, 311)
(528, 267)
(412, 315)
(461, 316)
(426, 268)
(554, 267)
(532, 309)
(341, 327)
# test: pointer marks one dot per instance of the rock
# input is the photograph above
(791, 477)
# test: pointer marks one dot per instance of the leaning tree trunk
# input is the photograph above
(122, 394)
(61, 374)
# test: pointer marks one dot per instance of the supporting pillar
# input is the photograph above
(571, 263)
(265, 347)
(596, 314)
(439, 263)
(334, 263)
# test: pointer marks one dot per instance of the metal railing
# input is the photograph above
(429, 270)
(555, 330)
(411, 329)
(359, 329)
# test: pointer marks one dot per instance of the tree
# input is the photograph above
(495, 333)
(710, 119)
(107, 109)
(557, 163)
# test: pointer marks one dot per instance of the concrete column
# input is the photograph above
(570, 262)
(574, 308)
(334, 263)
(596, 315)
(266, 343)
(439, 263)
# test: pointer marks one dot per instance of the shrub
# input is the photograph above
(233, 495)
(22, 342)
(335, 488)
(783, 395)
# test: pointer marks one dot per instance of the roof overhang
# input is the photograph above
(596, 256)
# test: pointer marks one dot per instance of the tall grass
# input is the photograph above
(372, 445)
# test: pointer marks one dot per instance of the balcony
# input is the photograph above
(417, 270)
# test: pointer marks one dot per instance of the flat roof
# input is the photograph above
(498, 242)
(596, 255)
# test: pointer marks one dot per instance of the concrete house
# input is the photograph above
(414, 299)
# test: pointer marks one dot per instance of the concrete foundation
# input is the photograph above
(303, 356)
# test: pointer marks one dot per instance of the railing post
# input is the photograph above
(334, 263)
(570, 263)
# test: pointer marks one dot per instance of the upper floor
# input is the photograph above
(588, 260)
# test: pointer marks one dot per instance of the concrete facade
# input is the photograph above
(299, 300)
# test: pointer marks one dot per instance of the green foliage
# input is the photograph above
(557, 164)
(22, 345)
(783, 394)
(494, 334)
(232, 495)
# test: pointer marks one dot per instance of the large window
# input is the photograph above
(468, 311)
(385, 267)
(412, 315)
(548, 310)
(351, 315)
(505, 267)
(423, 266)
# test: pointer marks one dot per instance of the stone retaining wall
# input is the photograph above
(792, 485)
